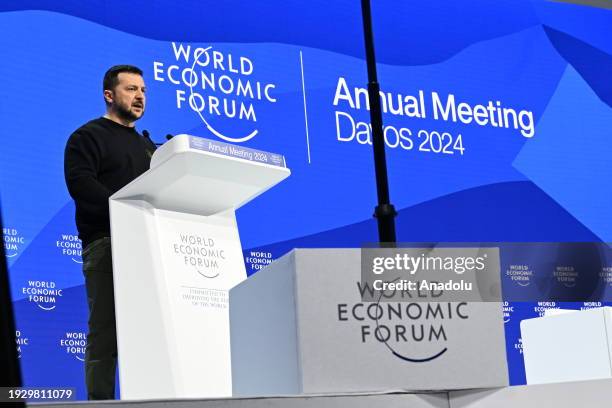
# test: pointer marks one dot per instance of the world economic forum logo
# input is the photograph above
(224, 89)
(566, 275)
(405, 328)
(22, 342)
(44, 294)
(257, 260)
(507, 309)
(70, 246)
(202, 254)
(74, 343)
(13, 242)
(521, 275)
(518, 345)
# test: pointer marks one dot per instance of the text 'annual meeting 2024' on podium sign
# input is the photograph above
(176, 253)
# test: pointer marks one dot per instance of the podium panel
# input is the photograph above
(176, 253)
(569, 346)
(172, 311)
(299, 326)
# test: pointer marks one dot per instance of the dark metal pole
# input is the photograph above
(384, 212)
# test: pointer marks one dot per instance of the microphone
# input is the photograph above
(146, 135)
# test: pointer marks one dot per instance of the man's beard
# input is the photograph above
(127, 114)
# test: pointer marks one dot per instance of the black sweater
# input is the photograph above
(100, 158)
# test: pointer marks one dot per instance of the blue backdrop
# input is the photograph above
(497, 121)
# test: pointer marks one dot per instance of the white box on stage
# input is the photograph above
(300, 326)
(176, 253)
(572, 346)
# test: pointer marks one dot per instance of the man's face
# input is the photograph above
(128, 97)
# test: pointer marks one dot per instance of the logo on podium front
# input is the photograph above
(203, 258)
(199, 253)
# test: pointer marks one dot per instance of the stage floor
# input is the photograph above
(592, 394)
(399, 400)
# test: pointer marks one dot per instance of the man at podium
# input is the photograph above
(100, 158)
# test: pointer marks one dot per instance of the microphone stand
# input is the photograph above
(147, 136)
(384, 212)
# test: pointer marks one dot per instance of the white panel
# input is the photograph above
(591, 394)
(203, 259)
(146, 341)
(566, 347)
(264, 338)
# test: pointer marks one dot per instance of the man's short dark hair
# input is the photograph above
(110, 77)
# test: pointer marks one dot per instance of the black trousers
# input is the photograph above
(101, 349)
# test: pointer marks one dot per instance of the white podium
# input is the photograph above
(571, 346)
(176, 253)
